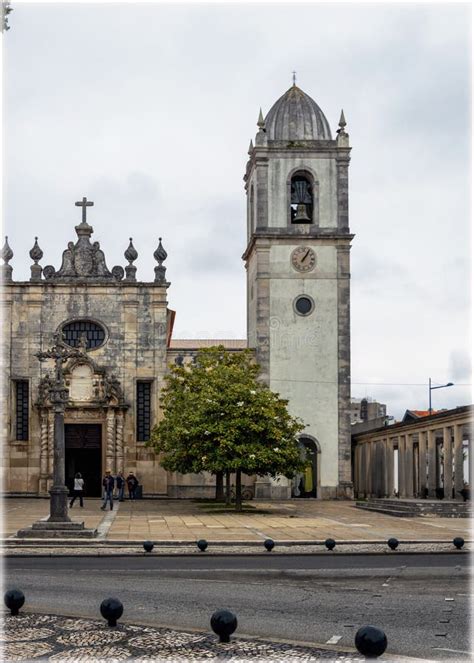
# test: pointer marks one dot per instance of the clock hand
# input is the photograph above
(305, 256)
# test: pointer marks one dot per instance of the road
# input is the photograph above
(420, 601)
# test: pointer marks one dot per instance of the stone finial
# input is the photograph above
(250, 147)
(160, 256)
(6, 255)
(342, 139)
(261, 120)
(36, 254)
(131, 254)
(342, 123)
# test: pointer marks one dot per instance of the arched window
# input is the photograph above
(302, 198)
(94, 333)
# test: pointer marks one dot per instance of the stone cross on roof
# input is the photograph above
(84, 204)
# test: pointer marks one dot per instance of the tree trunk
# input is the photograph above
(219, 486)
(227, 487)
(238, 490)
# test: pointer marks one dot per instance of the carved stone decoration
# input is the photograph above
(160, 256)
(36, 254)
(110, 435)
(112, 389)
(6, 255)
(118, 272)
(131, 254)
(119, 454)
(82, 260)
(44, 390)
(44, 459)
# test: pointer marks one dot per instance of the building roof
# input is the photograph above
(439, 416)
(197, 344)
(295, 116)
(411, 415)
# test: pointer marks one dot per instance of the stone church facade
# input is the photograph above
(297, 262)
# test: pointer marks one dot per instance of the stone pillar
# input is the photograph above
(369, 474)
(448, 463)
(389, 462)
(401, 466)
(110, 444)
(119, 453)
(44, 458)
(50, 445)
(431, 451)
(361, 472)
(458, 461)
(409, 465)
(422, 463)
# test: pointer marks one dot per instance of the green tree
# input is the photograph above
(219, 418)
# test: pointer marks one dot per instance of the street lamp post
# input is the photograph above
(441, 386)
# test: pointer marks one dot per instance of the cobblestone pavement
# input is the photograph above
(292, 520)
(34, 637)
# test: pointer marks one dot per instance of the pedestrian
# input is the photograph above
(108, 484)
(78, 489)
(120, 483)
(132, 483)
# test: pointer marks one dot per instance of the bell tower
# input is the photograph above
(298, 283)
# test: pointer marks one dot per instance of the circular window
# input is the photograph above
(303, 305)
(94, 333)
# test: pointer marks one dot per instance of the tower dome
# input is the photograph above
(295, 116)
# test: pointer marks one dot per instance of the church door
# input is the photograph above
(305, 484)
(83, 454)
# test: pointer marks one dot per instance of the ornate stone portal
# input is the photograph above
(94, 396)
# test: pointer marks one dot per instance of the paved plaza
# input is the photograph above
(187, 521)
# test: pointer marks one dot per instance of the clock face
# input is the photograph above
(303, 259)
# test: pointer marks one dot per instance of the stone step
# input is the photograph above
(417, 509)
(387, 512)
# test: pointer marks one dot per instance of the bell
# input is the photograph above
(301, 215)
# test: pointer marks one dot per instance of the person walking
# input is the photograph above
(108, 484)
(78, 490)
(120, 483)
(132, 483)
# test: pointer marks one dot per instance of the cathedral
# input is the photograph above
(298, 324)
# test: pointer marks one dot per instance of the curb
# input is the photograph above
(236, 554)
(79, 543)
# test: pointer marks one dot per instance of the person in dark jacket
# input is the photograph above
(120, 483)
(108, 484)
(132, 483)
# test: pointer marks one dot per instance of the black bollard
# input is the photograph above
(330, 544)
(148, 546)
(224, 623)
(458, 542)
(269, 544)
(393, 543)
(370, 641)
(202, 544)
(111, 610)
(14, 599)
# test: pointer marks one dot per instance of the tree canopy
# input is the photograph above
(217, 417)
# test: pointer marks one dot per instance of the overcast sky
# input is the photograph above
(148, 111)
